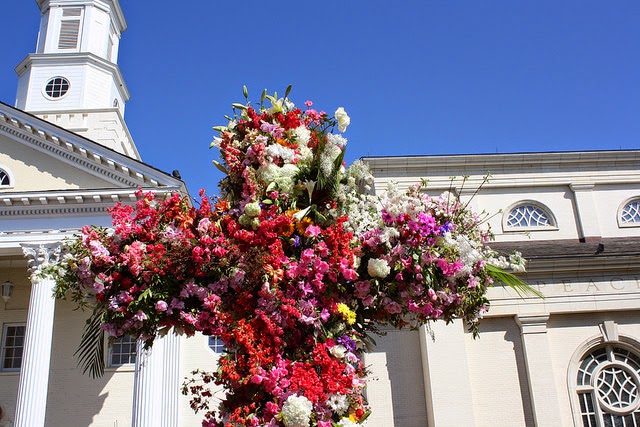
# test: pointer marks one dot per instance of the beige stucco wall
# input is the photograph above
(497, 375)
(42, 172)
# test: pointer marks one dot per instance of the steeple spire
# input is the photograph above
(73, 79)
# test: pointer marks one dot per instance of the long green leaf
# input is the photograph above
(90, 352)
(522, 289)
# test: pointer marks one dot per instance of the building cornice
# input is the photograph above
(108, 5)
(65, 59)
(512, 169)
(71, 201)
(82, 153)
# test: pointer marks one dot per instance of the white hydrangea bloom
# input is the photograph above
(296, 411)
(377, 267)
(275, 151)
(282, 176)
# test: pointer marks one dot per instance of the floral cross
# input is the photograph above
(293, 267)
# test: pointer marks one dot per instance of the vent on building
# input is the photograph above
(70, 28)
(72, 11)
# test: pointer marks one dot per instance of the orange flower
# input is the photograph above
(276, 274)
(302, 225)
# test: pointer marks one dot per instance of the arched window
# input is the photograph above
(5, 180)
(528, 215)
(629, 214)
(608, 387)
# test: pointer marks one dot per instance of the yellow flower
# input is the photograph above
(348, 314)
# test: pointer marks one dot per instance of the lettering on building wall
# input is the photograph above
(592, 285)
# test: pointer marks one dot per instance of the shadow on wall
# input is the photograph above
(511, 334)
(90, 396)
(406, 377)
(3, 420)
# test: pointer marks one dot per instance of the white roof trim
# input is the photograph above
(82, 153)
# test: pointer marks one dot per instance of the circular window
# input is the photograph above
(608, 386)
(57, 87)
(617, 388)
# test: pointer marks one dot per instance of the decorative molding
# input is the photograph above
(534, 324)
(609, 330)
(65, 202)
(41, 255)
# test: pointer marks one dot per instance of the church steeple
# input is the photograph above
(73, 79)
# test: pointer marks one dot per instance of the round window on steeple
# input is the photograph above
(57, 87)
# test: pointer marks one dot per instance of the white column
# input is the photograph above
(446, 375)
(31, 406)
(172, 381)
(147, 388)
(537, 356)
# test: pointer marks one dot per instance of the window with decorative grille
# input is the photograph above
(608, 387)
(528, 216)
(630, 213)
(4, 178)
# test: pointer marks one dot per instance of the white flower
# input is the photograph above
(338, 403)
(346, 422)
(252, 209)
(338, 351)
(343, 119)
(275, 151)
(336, 139)
(296, 411)
(378, 268)
(328, 158)
(216, 142)
(302, 135)
(282, 176)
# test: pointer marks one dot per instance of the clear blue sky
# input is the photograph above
(416, 77)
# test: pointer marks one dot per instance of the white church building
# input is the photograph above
(570, 359)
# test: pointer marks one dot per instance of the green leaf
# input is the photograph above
(90, 352)
(264, 96)
(286, 92)
(220, 167)
(522, 289)
(240, 106)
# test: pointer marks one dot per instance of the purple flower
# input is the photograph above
(347, 342)
(445, 228)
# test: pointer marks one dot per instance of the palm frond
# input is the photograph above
(522, 289)
(90, 352)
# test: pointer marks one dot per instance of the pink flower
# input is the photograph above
(362, 288)
(161, 306)
(312, 231)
